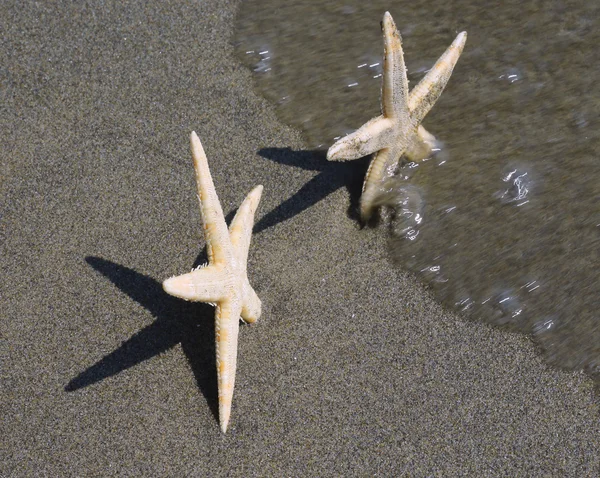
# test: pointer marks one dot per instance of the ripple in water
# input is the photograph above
(504, 220)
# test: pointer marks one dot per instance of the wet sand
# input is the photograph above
(352, 369)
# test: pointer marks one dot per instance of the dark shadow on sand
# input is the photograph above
(177, 322)
(332, 176)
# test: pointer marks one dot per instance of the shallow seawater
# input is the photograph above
(504, 221)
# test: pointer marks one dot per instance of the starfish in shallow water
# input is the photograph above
(224, 280)
(398, 130)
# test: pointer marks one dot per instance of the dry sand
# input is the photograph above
(352, 370)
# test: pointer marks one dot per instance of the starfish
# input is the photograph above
(223, 281)
(398, 129)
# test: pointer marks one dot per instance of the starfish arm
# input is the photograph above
(370, 137)
(206, 284)
(394, 90)
(251, 305)
(382, 166)
(227, 324)
(420, 145)
(240, 229)
(428, 90)
(215, 228)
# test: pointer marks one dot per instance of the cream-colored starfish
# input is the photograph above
(398, 130)
(223, 281)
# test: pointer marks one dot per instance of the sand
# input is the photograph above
(353, 369)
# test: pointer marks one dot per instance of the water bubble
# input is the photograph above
(433, 275)
(439, 151)
(376, 68)
(517, 189)
(579, 119)
(531, 286)
(544, 326)
(504, 307)
(464, 304)
(406, 202)
(264, 59)
(512, 75)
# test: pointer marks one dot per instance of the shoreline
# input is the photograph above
(352, 369)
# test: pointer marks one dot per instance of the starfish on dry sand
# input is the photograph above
(223, 281)
(398, 130)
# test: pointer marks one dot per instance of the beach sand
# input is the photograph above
(352, 369)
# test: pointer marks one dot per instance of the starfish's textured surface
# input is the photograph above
(398, 129)
(224, 280)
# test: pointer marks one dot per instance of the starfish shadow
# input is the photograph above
(177, 322)
(332, 176)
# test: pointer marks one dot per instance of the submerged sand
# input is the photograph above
(353, 369)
